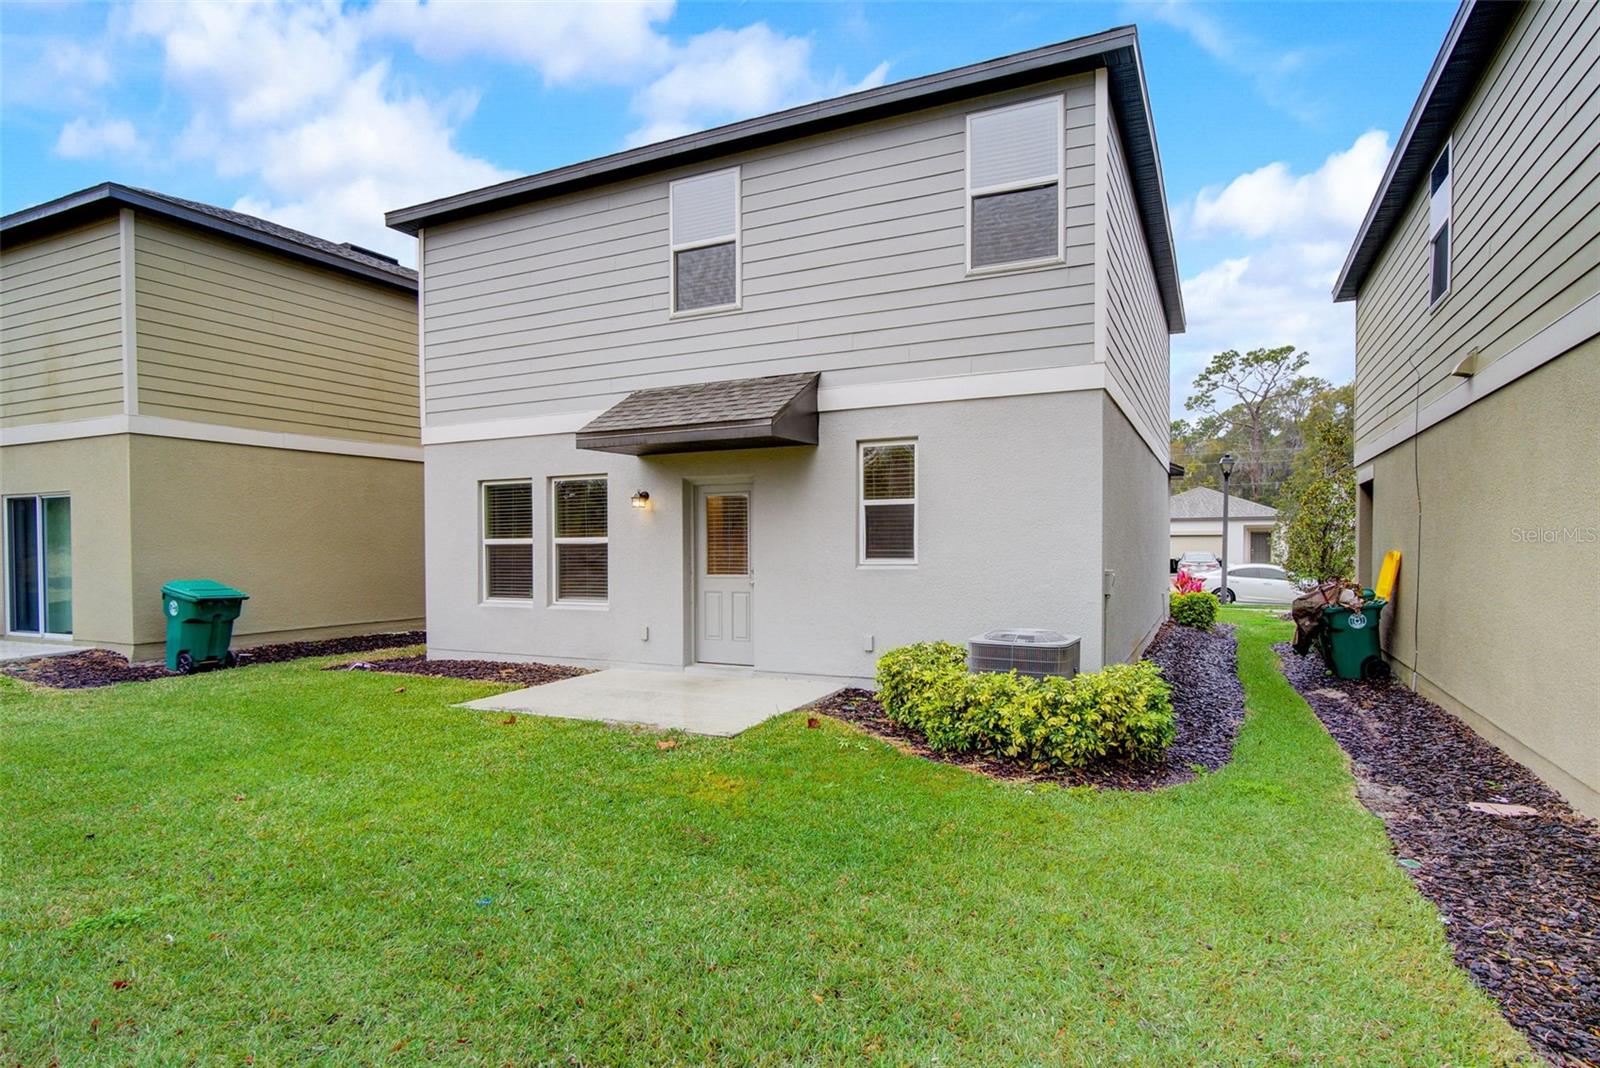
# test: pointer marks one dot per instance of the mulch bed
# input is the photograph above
(1207, 700)
(516, 674)
(101, 667)
(1520, 895)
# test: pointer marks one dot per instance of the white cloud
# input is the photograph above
(87, 139)
(723, 75)
(565, 42)
(280, 95)
(52, 71)
(1277, 292)
(1329, 201)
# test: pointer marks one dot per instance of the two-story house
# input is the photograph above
(191, 392)
(792, 391)
(1476, 277)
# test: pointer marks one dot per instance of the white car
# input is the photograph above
(1253, 584)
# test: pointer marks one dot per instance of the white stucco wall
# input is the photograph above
(1134, 536)
(1010, 528)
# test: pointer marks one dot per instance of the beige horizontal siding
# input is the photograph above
(1525, 222)
(1138, 353)
(61, 327)
(853, 251)
(237, 336)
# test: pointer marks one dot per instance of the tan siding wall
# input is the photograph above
(322, 543)
(854, 263)
(61, 327)
(1525, 222)
(1138, 353)
(1514, 658)
(232, 335)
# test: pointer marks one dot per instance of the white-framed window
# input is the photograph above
(579, 542)
(1439, 235)
(1015, 198)
(704, 236)
(507, 558)
(887, 512)
(38, 564)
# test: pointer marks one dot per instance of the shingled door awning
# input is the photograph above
(742, 413)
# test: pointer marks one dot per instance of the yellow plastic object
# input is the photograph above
(1387, 574)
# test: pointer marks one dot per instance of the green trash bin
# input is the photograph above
(1349, 640)
(200, 615)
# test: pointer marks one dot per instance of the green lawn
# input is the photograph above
(292, 865)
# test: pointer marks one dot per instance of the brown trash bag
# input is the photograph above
(1306, 611)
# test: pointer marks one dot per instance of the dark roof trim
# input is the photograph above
(1175, 470)
(86, 204)
(1117, 50)
(1469, 47)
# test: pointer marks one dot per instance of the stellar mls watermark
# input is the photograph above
(1555, 535)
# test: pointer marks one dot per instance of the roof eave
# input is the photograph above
(1117, 50)
(1468, 48)
(63, 211)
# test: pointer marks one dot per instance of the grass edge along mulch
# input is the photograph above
(512, 673)
(1520, 894)
(1207, 701)
(92, 668)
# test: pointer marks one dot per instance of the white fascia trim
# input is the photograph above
(1560, 337)
(844, 398)
(125, 296)
(157, 427)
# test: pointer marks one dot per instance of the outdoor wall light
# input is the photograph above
(641, 499)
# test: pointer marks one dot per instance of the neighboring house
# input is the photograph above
(1476, 277)
(1197, 526)
(889, 367)
(188, 392)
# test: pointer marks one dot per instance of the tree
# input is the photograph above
(1317, 522)
(1253, 405)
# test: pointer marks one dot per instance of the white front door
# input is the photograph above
(724, 578)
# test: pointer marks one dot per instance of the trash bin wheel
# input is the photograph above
(231, 660)
(1374, 669)
(185, 664)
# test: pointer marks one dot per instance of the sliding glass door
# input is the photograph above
(38, 552)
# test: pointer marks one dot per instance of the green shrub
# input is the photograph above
(1198, 610)
(1123, 711)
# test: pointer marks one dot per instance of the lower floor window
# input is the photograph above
(38, 551)
(508, 541)
(580, 539)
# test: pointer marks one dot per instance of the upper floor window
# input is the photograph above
(705, 242)
(1439, 227)
(1014, 187)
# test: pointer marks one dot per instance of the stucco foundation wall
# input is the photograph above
(1509, 568)
(1135, 536)
(94, 471)
(324, 544)
(1006, 538)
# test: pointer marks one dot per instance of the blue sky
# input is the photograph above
(1274, 120)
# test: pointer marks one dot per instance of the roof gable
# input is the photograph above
(1115, 50)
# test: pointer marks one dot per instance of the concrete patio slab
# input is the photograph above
(698, 703)
(10, 650)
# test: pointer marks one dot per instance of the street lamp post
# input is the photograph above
(1226, 463)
